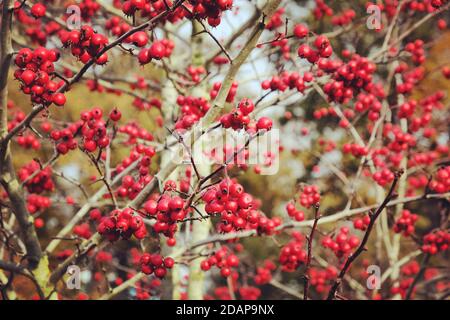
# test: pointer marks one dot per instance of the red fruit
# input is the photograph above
(90, 145)
(59, 99)
(157, 50)
(264, 123)
(27, 77)
(38, 10)
(115, 115)
(301, 31)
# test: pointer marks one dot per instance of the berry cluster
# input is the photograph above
(238, 210)
(82, 230)
(436, 241)
(29, 141)
(292, 255)
(405, 223)
(130, 187)
(355, 149)
(117, 26)
(239, 117)
(42, 181)
(441, 181)
(264, 273)
(320, 279)
(292, 211)
(368, 101)
(417, 51)
(168, 211)
(276, 20)
(94, 131)
(321, 10)
(122, 224)
(210, 10)
(287, 80)
(344, 18)
(192, 110)
(195, 73)
(35, 69)
(349, 78)
(37, 203)
(85, 44)
(155, 263)
(309, 196)
(361, 223)
(158, 50)
(323, 50)
(224, 259)
(231, 94)
(383, 177)
(65, 138)
(343, 243)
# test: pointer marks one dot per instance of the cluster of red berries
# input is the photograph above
(441, 181)
(249, 293)
(401, 140)
(37, 203)
(292, 255)
(231, 94)
(288, 81)
(383, 177)
(238, 209)
(155, 263)
(355, 149)
(320, 279)
(88, 9)
(322, 9)
(210, 10)
(405, 223)
(343, 243)
(224, 259)
(417, 51)
(309, 196)
(135, 133)
(29, 141)
(344, 18)
(239, 117)
(409, 78)
(85, 44)
(264, 273)
(122, 224)
(42, 181)
(35, 69)
(436, 241)
(168, 211)
(283, 43)
(368, 101)
(94, 130)
(361, 223)
(323, 50)
(276, 20)
(117, 26)
(192, 110)
(65, 138)
(292, 211)
(349, 78)
(195, 73)
(82, 230)
(130, 187)
(158, 50)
